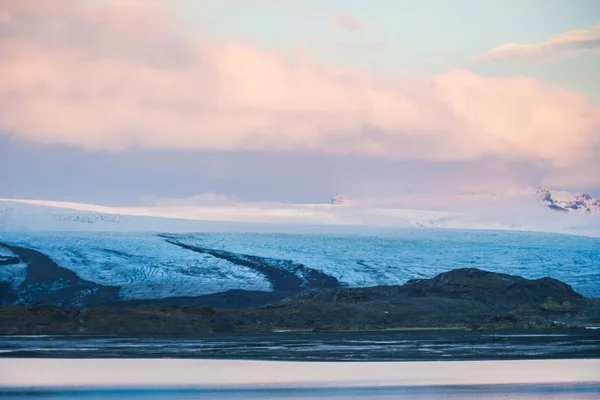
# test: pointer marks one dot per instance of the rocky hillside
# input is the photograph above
(472, 284)
(464, 298)
(569, 202)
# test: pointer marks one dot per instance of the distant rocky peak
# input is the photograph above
(569, 202)
(338, 199)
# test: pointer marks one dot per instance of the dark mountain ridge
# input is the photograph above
(463, 298)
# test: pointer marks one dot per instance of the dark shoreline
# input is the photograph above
(176, 320)
(55, 300)
(463, 299)
(416, 345)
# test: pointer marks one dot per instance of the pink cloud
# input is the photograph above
(113, 75)
(567, 43)
(348, 21)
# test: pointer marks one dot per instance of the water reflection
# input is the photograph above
(313, 346)
(466, 392)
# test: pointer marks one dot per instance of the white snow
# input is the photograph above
(31, 215)
(13, 273)
(561, 195)
(146, 266)
(396, 257)
(4, 252)
(358, 246)
(570, 202)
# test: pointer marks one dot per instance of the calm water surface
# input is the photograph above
(352, 346)
(331, 350)
(471, 392)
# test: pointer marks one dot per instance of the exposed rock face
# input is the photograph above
(569, 202)
(467, 298)
(490, 287)
(48, 283)
(465, 283)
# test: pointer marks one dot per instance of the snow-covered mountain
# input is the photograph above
(523, 214)
(569, 202)
(343, 200)
(91, 253)
(34, 215)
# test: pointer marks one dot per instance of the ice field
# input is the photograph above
(153, 257)
(147, 265)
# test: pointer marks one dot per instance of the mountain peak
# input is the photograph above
(338, 199)
(563, 201)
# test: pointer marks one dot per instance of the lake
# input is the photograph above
(557, 364)
(417, 345)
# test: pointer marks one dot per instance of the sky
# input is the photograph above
(141, 102)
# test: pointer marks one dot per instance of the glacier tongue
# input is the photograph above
(12, 269)
(145, 265)
(347, 244)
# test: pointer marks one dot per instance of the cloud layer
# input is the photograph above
(567, 43)
(113, 75)
(348, 21)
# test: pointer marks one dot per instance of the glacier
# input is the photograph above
(143, 266)
(146, 265)
(12, 270)
(516, 215)
(152, 257)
